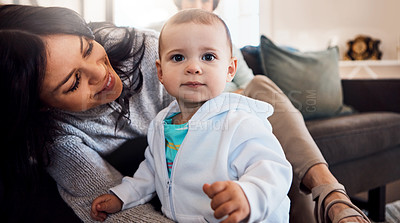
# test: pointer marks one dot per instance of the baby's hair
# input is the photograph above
(197, 16)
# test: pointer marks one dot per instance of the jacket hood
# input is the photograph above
(223, 103)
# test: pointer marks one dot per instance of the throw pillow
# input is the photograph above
(309, 79)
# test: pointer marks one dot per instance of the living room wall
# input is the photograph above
(313, 24)
(304, 24)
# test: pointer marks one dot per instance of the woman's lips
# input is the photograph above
(108, 85)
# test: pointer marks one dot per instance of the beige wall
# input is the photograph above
(304, 24)
(311, 24)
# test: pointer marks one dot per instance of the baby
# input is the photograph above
(211, 155)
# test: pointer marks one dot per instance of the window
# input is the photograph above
(241, 16)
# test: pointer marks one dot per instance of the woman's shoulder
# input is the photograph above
(149, 33)
(149, 38)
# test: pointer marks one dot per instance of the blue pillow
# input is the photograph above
(309, 79)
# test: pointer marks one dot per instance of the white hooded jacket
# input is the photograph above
(229, 138)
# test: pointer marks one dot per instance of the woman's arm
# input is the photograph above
(82, 175)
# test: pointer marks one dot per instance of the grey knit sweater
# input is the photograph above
(76, 156)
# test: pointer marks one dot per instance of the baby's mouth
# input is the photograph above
(193, 84)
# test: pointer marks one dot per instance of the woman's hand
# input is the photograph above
(104, 204)
(228, 198)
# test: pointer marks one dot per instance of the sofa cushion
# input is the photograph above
(309, 79)
(251, 55)
(347, 138)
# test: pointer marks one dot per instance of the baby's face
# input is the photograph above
(195, 61)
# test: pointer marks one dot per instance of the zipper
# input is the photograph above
(169, 182)
(171, 203)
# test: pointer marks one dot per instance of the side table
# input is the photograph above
(370, 86)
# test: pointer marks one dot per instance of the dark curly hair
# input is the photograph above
(25, 126)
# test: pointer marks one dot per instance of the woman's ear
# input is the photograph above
(159, 70)
(231, 69)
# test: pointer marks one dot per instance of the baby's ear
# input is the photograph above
(231, 69)
(159, 70)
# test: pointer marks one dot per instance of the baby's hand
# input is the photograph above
(106, 203)
(228, 198)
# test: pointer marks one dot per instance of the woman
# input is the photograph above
(92, 92)
(77, 92)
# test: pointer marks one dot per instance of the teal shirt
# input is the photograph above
(174, 136)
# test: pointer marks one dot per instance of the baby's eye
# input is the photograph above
(177, 57)
(208, 57)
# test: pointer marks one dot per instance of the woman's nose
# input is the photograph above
(96, 72)
(193, 68)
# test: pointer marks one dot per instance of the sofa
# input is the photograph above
(361, 148)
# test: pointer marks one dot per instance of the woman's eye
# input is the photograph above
(177, 57)
(76, 83)
(89, 49)
(208, 57)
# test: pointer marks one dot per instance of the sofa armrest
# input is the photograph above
(372, 95)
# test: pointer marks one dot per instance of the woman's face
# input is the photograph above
(199, 4)
(78, 74)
